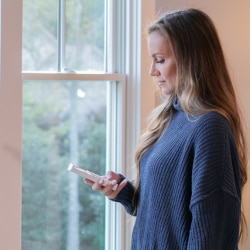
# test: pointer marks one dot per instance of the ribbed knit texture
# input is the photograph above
(189, 194)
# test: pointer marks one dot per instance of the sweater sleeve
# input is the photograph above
(215, 222)
(215, 198)
(125, 197)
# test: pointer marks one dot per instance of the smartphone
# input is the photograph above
(88, 175)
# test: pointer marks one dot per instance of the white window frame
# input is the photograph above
(11, 117)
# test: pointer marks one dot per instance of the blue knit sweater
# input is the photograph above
(189, 192)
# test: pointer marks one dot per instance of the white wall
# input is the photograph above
(232, 19)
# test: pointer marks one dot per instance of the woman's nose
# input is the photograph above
(153, 71)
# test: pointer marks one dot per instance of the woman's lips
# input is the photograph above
(160, 83)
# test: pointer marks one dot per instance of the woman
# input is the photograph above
(191, 159)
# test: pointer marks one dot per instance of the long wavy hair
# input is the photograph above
(203, 81)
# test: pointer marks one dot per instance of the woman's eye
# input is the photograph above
(160, 61)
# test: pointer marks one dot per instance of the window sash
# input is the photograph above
(73, 76)
(11, 103)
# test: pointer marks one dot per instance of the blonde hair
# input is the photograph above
(203, 81)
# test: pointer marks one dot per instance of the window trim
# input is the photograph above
(10, 130)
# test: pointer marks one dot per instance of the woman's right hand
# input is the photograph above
(108, 191)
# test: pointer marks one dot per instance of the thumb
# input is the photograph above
(121, 185)
(119, 188)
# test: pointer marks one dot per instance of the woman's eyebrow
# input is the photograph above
(157, 54)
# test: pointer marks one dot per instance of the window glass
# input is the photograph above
(62, 122)
(39, 50)
(77, 38)
(84, 35)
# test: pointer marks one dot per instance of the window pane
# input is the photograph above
(62, 122)
(85, 35)
(39, 52)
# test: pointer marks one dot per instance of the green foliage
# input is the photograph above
(93, 204)
(89, 16)
(39, 34)
(46, 154)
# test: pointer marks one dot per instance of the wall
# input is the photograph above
(232, 19)
(10, 133)
(147, 101)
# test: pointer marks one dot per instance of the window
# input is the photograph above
(76, 107)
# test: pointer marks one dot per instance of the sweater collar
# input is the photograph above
(177, 104)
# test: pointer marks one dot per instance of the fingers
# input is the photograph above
(110, 193)
(108, 188)
(87, 181)
(99, 184)
(95, 185)
(113, 176)
(112, 189)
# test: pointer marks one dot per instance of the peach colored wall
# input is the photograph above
(232, 19)
(147, 87)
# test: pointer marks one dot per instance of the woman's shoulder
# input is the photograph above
(211, 118)
(208, 118)
(213, 124)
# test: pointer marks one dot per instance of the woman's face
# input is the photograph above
(163, 66)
